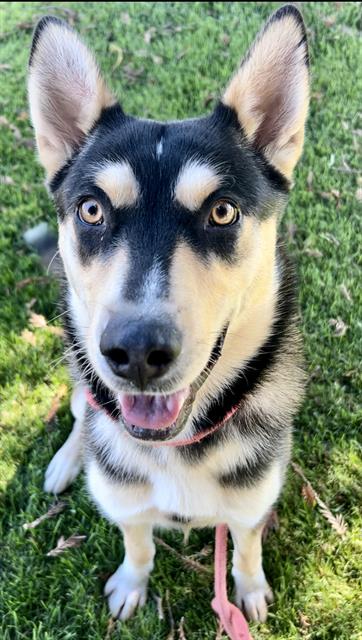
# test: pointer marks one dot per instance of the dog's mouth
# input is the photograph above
(153, 417)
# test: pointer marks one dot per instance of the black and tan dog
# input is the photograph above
(181, 314)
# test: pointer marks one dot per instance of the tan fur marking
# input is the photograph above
(138, 544)
(216, 293)
(270, 93)
(118, 181)
(195, 183)
(247, 555)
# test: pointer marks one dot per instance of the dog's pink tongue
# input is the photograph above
(152, 412)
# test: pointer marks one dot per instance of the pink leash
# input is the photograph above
(231, 618)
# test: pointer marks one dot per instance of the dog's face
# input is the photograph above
(167, 231)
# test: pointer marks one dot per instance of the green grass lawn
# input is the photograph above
(170, 60)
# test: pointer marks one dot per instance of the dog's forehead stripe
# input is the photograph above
(195, 182)
(118, 181)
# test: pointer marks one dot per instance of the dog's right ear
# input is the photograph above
(66, 92)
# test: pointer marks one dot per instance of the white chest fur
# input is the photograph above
(174, 486)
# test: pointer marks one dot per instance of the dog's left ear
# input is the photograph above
(270, 91)
(66, 92)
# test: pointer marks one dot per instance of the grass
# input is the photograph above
(314, 571)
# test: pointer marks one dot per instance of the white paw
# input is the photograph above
(126, 590)
(252, 594)
(64, 467)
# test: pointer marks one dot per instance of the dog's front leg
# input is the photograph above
(67, 462)
(127, 587)
(252, 592)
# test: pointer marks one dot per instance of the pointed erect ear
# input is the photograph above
(270, 91)
(66, 92)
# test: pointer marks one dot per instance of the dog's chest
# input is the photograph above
(174, 490)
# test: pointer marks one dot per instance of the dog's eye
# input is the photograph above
(90, 211)
(223, 213)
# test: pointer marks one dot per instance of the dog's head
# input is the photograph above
(167, 231)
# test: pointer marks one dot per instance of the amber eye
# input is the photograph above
(90, 211)
(223, 213)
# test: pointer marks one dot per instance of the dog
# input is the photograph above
(180, 302)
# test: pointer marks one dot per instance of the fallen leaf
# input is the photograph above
(148, 35)
(28, 143)
(225, 39)
(30, 304)
(6, 180)
(160, 612)
(62, 545)
(304, 621)
(114, 48)
(157, 59)
(56, 331)
(310, 178)
(330, 21)
(171, 634)
(22, 115)
(25, 26)
(125, 18)
(204, 553)
(181, 55)
(337, 522)
(359, 194)
(111, 628)
(330, 238)
(220, 631)
(308, 494)
(326, 195)
(181, 632)
(72, 16)
(29, 337)
(271, 524)
(54, 510)
(187, 561)
(345, 293)
(313, 253)
(131, 73)
(55, 405)
(339, 326)
(24, 283)
(315, 373)
(37, 320)
(5, 67)
(317, 95)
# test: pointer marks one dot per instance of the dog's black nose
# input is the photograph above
(140, 350)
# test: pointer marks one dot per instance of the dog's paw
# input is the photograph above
(252, 595)
(63, 468)
(126, 590)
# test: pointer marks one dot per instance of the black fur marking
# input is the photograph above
(291, 10)
(116, 473)
(175, 517)
(43, 22)
(156, 224)
(60, 176)
(247, 475)
(253, 373)
(101, 453)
